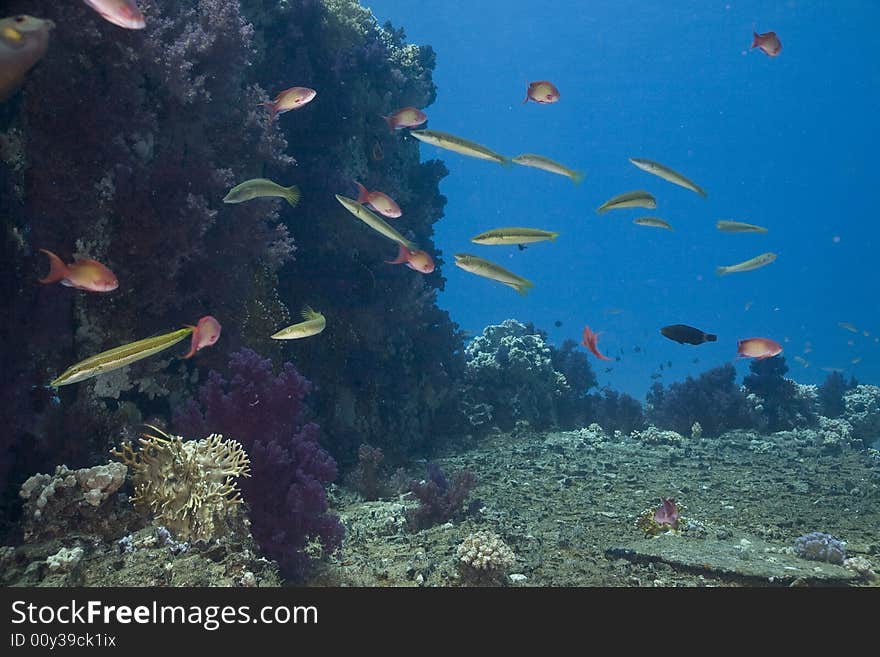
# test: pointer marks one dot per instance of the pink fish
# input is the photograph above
(768, 42)
(205, 333)
(591, 341)
(417, 260)
(289, 99)
(408, 117)
(381, 202)
(84, 274)
(757, 348)
(542, 92)
(124, 13)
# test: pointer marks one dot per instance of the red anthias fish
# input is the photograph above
(757, 348)
(542, 92)
(667, 513)
(124, 13)
(84, 274)
(205, 333)
(407, 117)
(289, 99)
(768, 42)
(381, 202)
(417, 260)
(590, 342)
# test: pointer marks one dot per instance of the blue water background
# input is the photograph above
(787, 142)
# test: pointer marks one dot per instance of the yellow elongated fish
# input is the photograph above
(262, 188)
(546, 164)
(488, 269)
(738, 227)
(459, 145)
(637, 199)
(758, 261)
(314, 322)
(23, 42)
(514, 235)
(113, 359)
(655, 222)
(667, 174)
(375, 222)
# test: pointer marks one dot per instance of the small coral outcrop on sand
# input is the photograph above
(654, 436)
(74, 500)
(188, 486)
(484, 559)
(818, 546)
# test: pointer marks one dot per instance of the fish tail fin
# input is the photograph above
(401, 255)
(524, 287)
(710, 337)
(553, 237)
(57, 269)
(721, 271)
(363, 194)
(293, 195)
(578, 177)
(755, 43)
(388, 120)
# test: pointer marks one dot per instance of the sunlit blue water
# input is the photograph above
(787, 143)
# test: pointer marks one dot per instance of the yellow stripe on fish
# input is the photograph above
(113, 359)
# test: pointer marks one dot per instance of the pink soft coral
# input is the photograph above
(667, 513)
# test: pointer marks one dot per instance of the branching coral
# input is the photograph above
(188, 486)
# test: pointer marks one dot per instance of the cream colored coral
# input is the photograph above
(96, 484)
(188, 485)
(485, 552)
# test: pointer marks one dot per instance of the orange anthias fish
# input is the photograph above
(407, 117)
(289, 99)
(381, 202)
(768, 42)
(542, 92)
(757, 348)
(205, 333)
(417, 259)
(591, 341)
(84, 274)
(124, 13)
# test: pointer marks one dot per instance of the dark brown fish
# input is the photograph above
(681, 333)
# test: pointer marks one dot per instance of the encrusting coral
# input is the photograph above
(188, 485)
(78, 500)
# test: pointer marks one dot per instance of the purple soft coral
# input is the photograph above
(286, 496)
(440, 500)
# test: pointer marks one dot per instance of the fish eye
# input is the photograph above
(19, 19)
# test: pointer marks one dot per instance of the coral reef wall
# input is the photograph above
(121, 146)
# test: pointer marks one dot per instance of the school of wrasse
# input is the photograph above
(25, 39)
